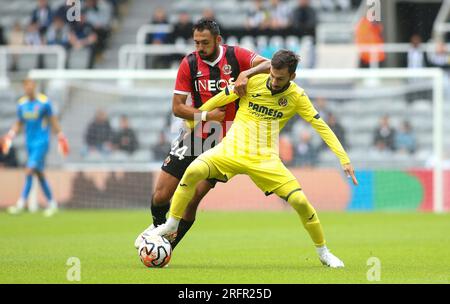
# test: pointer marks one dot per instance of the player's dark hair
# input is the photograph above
(207, 24)
(285, 59)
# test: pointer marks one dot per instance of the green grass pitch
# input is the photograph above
(226, 247)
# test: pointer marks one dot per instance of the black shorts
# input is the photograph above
(182, 154)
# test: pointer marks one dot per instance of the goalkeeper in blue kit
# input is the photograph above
(35, 115)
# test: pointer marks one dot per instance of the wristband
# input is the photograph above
(204, 113)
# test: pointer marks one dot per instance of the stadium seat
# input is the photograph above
(232, 40)
(118, 156)
(79, 59)
(261, 41)
(248, 42)
(27, 62)
(277, 42)
(140, 156)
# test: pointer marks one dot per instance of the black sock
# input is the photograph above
(159, 213)
(183, 227)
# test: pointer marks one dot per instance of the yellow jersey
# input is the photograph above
(262, 115)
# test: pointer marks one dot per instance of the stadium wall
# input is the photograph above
(328, 189)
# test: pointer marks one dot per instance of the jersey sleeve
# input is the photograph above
(245, 57)
(304, 106)
(183, 83)
(307, 111)
(223, 98)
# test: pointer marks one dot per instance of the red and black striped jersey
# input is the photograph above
(202, 79)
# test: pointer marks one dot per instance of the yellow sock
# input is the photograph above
(308, 215)
(197, 171)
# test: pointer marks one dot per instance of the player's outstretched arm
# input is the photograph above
(222, 99)
(335, 145)
(7, 139)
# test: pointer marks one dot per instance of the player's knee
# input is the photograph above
(39, 174)
(161, 197)
(298, 200)
(196, 172)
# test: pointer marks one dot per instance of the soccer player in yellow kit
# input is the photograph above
(250, 147)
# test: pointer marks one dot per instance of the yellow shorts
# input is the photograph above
(267, 172)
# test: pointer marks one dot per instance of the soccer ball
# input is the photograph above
(155, 251)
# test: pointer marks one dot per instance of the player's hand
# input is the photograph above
(350, 172)
(63, 144)
(240, 85)
(6, 142)
(216, 114)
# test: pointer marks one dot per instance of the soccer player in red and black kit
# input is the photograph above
(201, 75)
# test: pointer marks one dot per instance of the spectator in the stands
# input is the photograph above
(369, 32)
(257, 17)
(125, 138)
(279, 14)
(83, 36)
(405, 141)
(416, 56)
(305, 152)
(58, 33)
(16, 38)
(304, 19)
(16, 35)
(208, 13)
(384, 135)
(286, 149)
(160, 149)
(33, 38)
(61, 11)
(99, 133)
(9, 160)
(440, 57)
(160, 36)
(32, 35)
(416, 59)
(337, 128)
(2, 36)
(159, 17)
(99, 16)
(183, 27)
(115, 4)
(42, 15)
(321, 106)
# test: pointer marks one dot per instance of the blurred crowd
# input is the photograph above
(101, 138)
(51, 26)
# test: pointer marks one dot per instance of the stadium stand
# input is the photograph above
(357, 107)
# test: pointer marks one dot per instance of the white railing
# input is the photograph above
(132, 56)
(57, 50)
(374, 49)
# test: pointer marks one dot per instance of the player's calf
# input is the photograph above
(189, 214)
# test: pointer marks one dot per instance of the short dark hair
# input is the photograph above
(285, 59)
(207, 24)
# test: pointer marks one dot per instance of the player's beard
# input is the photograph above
(278, 89)
(213, 55)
